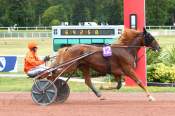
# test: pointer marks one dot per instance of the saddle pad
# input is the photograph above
(107, 51)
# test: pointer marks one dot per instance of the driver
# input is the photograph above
(32, 64)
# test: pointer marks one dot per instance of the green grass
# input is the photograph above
(15, 84)
(151, 89)
(165, 41)
(25, 85)
(19, 47)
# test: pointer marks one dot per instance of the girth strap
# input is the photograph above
(108, 64)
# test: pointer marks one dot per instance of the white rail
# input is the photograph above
(24, 35)
(45, 32)
(44, 28)
(49, 28)
(160, 27)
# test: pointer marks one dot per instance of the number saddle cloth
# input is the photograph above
(107, 51)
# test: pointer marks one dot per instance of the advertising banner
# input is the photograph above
(8, 64)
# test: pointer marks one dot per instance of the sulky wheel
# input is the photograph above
(63, 90)
(44, 92)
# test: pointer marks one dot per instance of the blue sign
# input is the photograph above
(8, 63)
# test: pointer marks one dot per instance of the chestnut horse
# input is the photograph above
(121, 63)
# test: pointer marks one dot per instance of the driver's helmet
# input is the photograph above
(32, 44)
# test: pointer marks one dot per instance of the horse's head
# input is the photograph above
(150, 41)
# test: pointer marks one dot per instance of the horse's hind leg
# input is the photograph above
(85, 71)
(131, 73)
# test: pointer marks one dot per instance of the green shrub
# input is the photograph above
(168, 56)
(109, 78)
(152, 57)
(161, 73)
(151, 73)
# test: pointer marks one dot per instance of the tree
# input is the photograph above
(3, 14)
(171, 12)
(81, 12)
(116, 14)
(17, 12)
(157, 12)
(39, 7)
(56, 13)
(49, 12)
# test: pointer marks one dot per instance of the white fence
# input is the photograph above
(49, 28)
(24, 35)
(45, 32)
(25, 32)
(162, 32)
(46, 28)
(160, 27)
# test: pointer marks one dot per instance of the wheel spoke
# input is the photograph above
(36, 92)
(40, 99)
(48, 97)
(51, 91)
(37, 86)
(45, 86)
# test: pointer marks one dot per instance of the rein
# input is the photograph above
(119, 46)
(127, 46)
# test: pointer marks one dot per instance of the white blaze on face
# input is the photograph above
(2, 63)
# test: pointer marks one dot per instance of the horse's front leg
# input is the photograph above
(118, 75)
(118, 78)
(129, 71)
(85, 71)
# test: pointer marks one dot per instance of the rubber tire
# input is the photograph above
(63, 91)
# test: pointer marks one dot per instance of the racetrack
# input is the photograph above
(86, 104)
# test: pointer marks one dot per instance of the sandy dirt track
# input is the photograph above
(86, 104)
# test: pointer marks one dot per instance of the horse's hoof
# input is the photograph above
(151, 98)
(98, 95)
(119, 85)
(102, 98)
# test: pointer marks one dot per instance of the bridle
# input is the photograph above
(147, 40)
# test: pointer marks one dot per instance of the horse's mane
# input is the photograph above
(127, 37)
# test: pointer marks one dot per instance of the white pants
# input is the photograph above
(35, 71)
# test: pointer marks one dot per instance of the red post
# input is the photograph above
(134, 8)
(134, 17)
